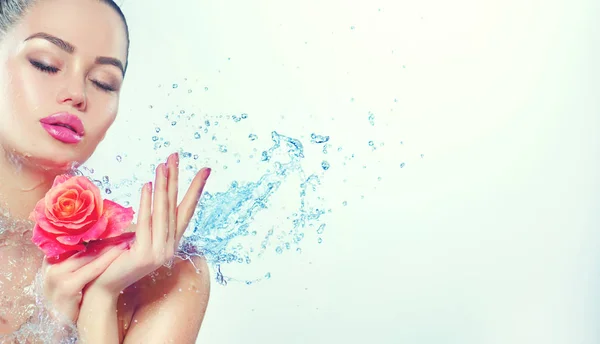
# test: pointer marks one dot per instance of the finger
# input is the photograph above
(186, 209)
(143, 233)
(172, 187)
(95, 268)
(160, 214)
(78, 259)
(52, 260)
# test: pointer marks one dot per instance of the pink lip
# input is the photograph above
(64, 127)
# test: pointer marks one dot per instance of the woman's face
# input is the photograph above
(61, 75)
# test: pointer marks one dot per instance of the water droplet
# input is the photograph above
(320, 240)
(196, 135)
(157, 129)
(344, 203)
(222, 148)
(379, 178)
(268, 275)
(352, 27)
(174, 123)
(207, 123)
(422, 155)
(206, 88)
(325, 165)
(154, 138)
(371, 143)
(371, 118)
(108, 191)
(119, 158)
(175, 85)
(279, 250)
(402, 165)
(252, 137)
(244, 116)
(190, 90)
(318, 138)
(321, 229)
(167, 143)
(265, 156)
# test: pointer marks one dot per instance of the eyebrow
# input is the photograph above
(70, 48)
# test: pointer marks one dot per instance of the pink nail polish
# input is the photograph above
(206, 173)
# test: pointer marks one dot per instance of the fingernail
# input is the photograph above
(206, 173)
(149, 186)
(176, 157)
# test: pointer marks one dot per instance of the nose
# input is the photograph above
(73, 94)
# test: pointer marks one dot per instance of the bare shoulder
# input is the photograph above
(171, 303)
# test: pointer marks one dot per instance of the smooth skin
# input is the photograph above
(39, 77)
(160, 226)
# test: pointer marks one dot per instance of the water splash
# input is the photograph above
(226, 216)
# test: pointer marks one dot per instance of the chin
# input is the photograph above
(53, 160)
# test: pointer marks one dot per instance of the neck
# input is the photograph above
(22, 185)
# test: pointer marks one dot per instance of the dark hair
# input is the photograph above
(11, 11)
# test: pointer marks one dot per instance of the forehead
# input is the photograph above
(93, 27)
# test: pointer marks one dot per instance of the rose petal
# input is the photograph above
(86, 184)
(71, 213)
(93, 233)
(118, 217)
(84, 216)
(42, 220)
(60, 179)
(53, 195)
(49, 245)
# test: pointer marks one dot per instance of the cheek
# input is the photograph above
(27, 91)
(103, 116)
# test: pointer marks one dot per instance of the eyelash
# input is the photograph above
(52, 70)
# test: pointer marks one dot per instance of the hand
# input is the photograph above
(64, 281)
(160, 226)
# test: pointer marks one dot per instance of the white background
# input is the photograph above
(491, 237)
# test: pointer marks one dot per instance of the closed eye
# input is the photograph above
(103, 86)
(44, 68)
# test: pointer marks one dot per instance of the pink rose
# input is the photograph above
(73, 213)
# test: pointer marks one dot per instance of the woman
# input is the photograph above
(63, 63)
